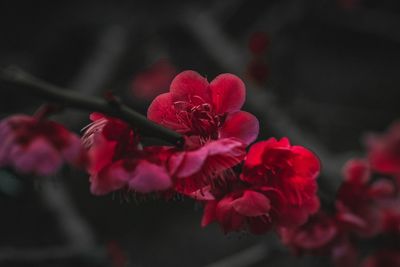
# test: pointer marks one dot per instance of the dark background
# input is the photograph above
(334, 74)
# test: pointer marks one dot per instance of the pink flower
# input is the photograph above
(321, 235)
(316, 235)
(153, 81)
(37, 146)
(206, 111)
(118, 162)
(384, 151)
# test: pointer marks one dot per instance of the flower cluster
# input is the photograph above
(272, 185)
(367, 208)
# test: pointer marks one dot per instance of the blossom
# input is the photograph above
(205, 111)
(117, 160)
(276, 188)
(37, 146)
(384, 151)
(288, 171)
(216, 130)
(321, 235)
(360, 200)
(153, 81)
(258, 43)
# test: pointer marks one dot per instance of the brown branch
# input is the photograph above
(40, 88)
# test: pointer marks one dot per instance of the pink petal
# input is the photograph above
(162, 111)
(73, 152)
(111, 178)
(228, 93)
(39, 158)
(252, 204)
(190, 86)
(214, 156)
(241, 125)
(226, 215)
(209, 213)
(148, 177)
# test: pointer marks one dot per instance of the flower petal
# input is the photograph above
(190, 86)
(252, 204)
(228, 93)
(241, 125)
(148, 177)
(109, 179)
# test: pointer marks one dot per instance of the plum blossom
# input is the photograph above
(33, 145)
(117, 160)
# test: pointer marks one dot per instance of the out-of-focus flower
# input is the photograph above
(359, 200)
(154, 80)
(276, 188)
(349, 4)
(258, 71)
(384, 151)
(118, 162)
(383, 258)
(259, 43)
(33, 145)
(321, 235)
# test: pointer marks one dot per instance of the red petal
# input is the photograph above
(111, 178)
(162, 111)
(209, 213)
(214, 156)
(228, 93)
(148, 177)
(305, 163)
(241, 125)
(357, 171)
(190, 86)
(252, 204)
(229, 219)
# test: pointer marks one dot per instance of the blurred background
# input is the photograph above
(322, 72)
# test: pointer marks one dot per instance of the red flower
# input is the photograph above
(277, 188)
(320, 235)
(314, 236)
(37, 146)
(359, 200)
(384, 258)
(258, 43)
(289, 171)
(118, 162)
(384, 151)
(206, 111)
(153, 81)
(215, 129)
(197, 170)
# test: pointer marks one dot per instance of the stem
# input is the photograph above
(36, 86)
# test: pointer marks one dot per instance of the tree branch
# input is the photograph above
(40, 88)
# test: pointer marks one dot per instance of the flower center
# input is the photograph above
(199, 119)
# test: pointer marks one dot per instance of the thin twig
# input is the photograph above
(67, 98)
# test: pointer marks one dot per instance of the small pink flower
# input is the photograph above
(117, 160)
(36, 146)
